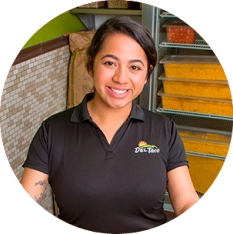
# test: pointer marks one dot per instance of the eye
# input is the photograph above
(109, 63)
(135, 68)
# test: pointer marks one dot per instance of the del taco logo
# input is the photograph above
(143, 147)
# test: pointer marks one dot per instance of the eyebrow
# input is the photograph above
(116, 58)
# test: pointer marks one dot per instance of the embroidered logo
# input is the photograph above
(143, 147)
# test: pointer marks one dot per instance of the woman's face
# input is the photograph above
(119, 71)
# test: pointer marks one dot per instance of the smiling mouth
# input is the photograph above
(118, 91)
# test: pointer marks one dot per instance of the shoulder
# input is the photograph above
(60, 116)
(71, 116)
(159, 123)
(60, 120)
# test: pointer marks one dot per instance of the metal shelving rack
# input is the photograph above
(163, 46)
(199, 44)
(200, 120)
(196, 114)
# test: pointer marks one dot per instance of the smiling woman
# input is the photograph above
(119, 73)
(109, 161)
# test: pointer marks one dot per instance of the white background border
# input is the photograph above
(20, 20)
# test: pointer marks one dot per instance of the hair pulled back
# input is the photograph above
(129, 27)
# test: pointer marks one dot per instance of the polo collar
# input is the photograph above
(80, 112)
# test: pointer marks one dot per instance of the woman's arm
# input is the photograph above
(34, 182)
(181, 190)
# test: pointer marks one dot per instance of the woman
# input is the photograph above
(109, 161)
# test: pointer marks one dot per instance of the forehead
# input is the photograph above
(119, 42)
(118, 37)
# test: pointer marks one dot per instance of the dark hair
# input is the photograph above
(129, 27)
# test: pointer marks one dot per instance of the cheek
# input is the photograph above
(145, 81)
(141, 79)
(139, 83)
(100, 76)
(101, 73)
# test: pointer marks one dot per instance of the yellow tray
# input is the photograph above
(213, 106)
(203, 171)
(194, 67)
(196, 88)
(205, 142)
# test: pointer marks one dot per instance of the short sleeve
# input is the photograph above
(177, 155)
(38, 155)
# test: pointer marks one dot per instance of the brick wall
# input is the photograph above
(33, 90)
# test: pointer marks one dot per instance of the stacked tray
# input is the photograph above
(198, 84)
(195, 84)
(205, 141)
(211, 148)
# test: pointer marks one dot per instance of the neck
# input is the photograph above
(109, 120)
(101, 112)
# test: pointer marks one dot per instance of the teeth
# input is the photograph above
(119, 91)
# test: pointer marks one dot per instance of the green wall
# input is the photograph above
(55, 28)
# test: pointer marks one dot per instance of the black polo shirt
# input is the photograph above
(102, 187)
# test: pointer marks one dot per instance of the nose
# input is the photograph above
(120, 75)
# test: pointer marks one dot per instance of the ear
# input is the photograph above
(89, 70)
(151, 68)
(90, 73)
